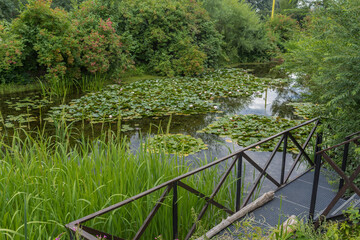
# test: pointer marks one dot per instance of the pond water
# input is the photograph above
(271, 102)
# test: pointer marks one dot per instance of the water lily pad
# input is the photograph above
(307, 110)
(9, 125)
(160, 97)
(249, 129)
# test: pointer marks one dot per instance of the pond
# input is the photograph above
(29, 110)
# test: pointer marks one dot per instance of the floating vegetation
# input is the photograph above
(126, 128)
(180, 144)
(307, 110)
(159, 97)
(30, 103)
(249, 129)
(27, 104)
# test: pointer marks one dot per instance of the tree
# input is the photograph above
(170, 37)
(243, 33)
(327, 57)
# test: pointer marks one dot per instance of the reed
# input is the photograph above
(46, 182)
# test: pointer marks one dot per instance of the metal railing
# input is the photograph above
(346, 182)
(237, 157)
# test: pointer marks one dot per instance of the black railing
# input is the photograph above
(237, 158)
(345, 182)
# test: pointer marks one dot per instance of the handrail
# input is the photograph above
(175, 182)
(338, 145)
(349, 181)
(351, 135)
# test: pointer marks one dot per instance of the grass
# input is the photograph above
(328, 230)
(47, 181)
(66, 86)
(10, 88)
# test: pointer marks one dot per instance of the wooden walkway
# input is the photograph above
(293, 199)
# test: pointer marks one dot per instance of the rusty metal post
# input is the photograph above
(175, 212)
(344, 162)
(238, 183)
(283, 159)
(71, 235)
(317, 160)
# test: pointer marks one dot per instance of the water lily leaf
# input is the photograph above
(249, 129)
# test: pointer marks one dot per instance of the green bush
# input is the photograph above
(170, 37)
(243, 32)
(101, 48)
(62, 46)
(280, 30)
(8, 9)
(10, 50)
(49, 46)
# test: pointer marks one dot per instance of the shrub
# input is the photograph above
(101, 48)
(8, 9)
(65, 45)
(169, 36)
(280, 30)
(10, 50)
(244, 34)
(48, 38)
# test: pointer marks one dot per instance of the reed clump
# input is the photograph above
(46, 182)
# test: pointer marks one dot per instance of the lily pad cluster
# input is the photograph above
(307, 110)
(180, 144)
(21, 105)
(249, 129)
(30, 103)
(158, 97)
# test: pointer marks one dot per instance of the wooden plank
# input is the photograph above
(266, 197)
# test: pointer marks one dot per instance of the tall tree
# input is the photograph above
(327, 58)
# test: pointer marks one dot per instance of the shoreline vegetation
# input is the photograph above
(36, 172)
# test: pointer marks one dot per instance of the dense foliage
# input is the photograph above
(326, 57)
(10, 9)
(171, 37)
(280, 30)
(64, 40)
(244, 34)
(62, 46)
(11, 51)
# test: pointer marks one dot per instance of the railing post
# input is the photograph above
(71, 235)
(175, 212)
(344, 162)
(317, 161)
(238, 183)
(283, 159)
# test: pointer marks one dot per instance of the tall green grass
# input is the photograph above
(11, 88)
(46, 182)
